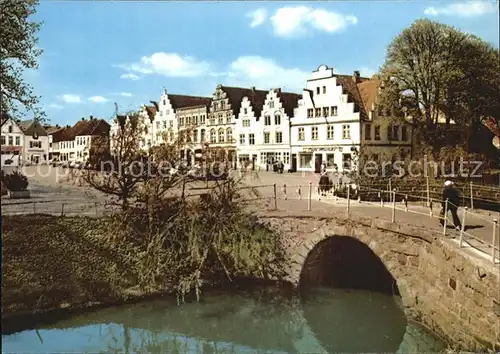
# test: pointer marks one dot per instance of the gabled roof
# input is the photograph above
(350, 87)
(82, 127)
(51, 128)
(151, 111)
(32, 126)
(236, 94)
(183, 101)
(25, 124)
(369, 91)
(289, 101)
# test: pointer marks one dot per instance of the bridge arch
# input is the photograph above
(340, 261)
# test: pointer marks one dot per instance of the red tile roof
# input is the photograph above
(350, 87)
(236, 94)
(289, 101)
(183, 101)
(82, 127)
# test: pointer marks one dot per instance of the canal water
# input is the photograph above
(330, 320)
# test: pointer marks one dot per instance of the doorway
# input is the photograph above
(293, 166)
(318, 160)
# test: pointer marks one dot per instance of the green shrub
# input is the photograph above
(14, 181)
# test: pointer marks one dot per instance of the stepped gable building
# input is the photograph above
(224, 111)
(264, 129)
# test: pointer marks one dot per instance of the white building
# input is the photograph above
(263, 129)
(75, 144)
(326, 126)
(12, 139)
(36, 142)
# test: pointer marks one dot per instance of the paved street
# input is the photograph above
(51, 188)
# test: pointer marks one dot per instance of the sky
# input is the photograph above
(97, 53)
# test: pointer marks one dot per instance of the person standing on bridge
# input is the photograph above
(453, 196)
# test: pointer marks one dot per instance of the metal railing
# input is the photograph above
(399, 203)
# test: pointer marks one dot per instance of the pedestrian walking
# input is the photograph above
(453, 196)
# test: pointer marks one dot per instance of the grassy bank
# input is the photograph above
(52, 263)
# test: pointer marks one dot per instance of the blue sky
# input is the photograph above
(101, 52)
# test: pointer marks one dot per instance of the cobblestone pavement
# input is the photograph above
(51, 188)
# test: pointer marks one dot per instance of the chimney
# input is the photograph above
(277, 90)
(356, 76)
(91, 117)
(252, 88)
(83, 118)
(57, 126)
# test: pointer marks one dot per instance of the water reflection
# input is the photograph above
(333, 321)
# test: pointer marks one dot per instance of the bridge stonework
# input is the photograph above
(446, 288)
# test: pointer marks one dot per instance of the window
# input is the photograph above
(216, 106)
(213, 138)
(333, 111)
(377, 132)
(305, 160)
(279, 137)
(277, 119)
(375, 157)
(271, 104)
(330, 160)
(161, 113)
(246, 122)
(310, 113)
(11, 141)
(229, 135)
(245, 110)
(266, 138)
(302, 134)
(18, 140)
(3, 140)
(202, 119)
(395, 132)
(221, 119)
(318, 112)
(202, 135)
(286, 158)
(330, 132)
(324, 89)
(221, 135)
(317, 90)
(171, 124)
(326, 110)
(346, 161)
(222, 105)
(368, 132)
(404, 133)
(10, 128)
(195, 136)
(242, 139)
(212, 121)
(346, 131)
(251, 139)
(267, 120)
(167, 112)
(181, 121)
(164, 102)
(158, 125)
(228, 119)
(314, 133)
(172, 137)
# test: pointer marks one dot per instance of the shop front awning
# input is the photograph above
(11, 148)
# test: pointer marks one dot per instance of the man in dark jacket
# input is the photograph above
(453, 196)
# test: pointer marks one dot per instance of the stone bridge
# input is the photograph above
(451, 290)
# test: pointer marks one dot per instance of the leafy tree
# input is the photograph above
(18, 51)
(434, 71)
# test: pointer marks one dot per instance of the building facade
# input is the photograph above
(263, 130)
(224, 110)
(326, 127)
(12, 142)
(36, 142)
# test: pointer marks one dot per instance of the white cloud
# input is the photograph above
(55, 106)
(462, 9)
(297, 21)
(264, 73)
(167, 64)
(70, 98)
(366, 72)
(98, 99)
(130, 76)
(258, 17)
(125, 94)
